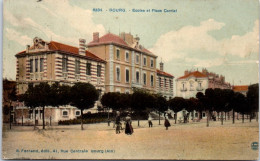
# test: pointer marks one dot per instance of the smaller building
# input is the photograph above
(242, 89)
(164, 83)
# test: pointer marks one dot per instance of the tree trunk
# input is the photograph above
(237, 116)
(34, 119)
(222, 117)
(43, 120)
(175, 117)
(250, 117)
(218, 116)
(108, 121)
(233, 118)
(247, 116)
(50, 120)
(228, 115)
(81, 119)
(242, 118)
(225, 116)
(207, 118)
(159, 118)
(256, 117)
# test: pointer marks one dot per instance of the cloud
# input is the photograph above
(79, 22)
(79, 19)
(13, 35)
(190, 39)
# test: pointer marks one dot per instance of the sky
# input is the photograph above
(220, 35)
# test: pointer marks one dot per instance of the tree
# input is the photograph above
(161, 105)
(240, 104)
(140, 100)
(201, 104)
(192, 104)
(253, 99)
(177, 104)
(83, 96)
(209, 102)
(111, 100)
(12, 97)
(30, 99)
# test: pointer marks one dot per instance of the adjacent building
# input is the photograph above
(242, 89)
(129, 65)
(164, 83)
(56, 62)
(192, 82)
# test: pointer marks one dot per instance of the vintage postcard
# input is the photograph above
(133, 79)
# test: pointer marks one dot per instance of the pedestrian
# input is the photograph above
(166, 122)
(150, 121)
(118, 123)
(128, 127)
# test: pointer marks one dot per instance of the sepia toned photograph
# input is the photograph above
(133, 79)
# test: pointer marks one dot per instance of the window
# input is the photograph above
(170, 82)
(127, 56)
(164, 82)
(77, 66)
(183, 86)
(144, 61)
(117, 54)
(99, 70)
(127, 75)
(196, 114)
(65, 113)
(64, 64)
(160, 79)
(200, 85)
(88, 69)
(137, 77)
(41, 65)
(144, 78)
(31, 65)
(36, 65)
(118, 74)
(77, 113)
(137, 59)
(151, 63)
(151, 80)
(204, 114)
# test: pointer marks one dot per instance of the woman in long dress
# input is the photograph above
(128, 127)
(167, 122)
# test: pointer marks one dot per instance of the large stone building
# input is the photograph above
(129, 65)
(56, 62)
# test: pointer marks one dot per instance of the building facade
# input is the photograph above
(164, 83)
(129, 65)
(56, 62)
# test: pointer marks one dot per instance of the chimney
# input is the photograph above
(27, 48)
(161, 66)
(82, 49)
(186, 72)
(96, 36)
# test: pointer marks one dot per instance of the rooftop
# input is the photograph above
(240, 88)
(163, 73)
(195, 74)
(56, 46)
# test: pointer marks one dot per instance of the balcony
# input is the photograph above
(183, 89)
(199, 89)
(65, 75)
